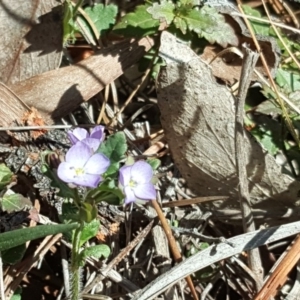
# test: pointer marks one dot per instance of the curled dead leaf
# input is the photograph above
(198, 116)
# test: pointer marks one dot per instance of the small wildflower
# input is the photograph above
(135, 181)
(93, 140)
(83, 167)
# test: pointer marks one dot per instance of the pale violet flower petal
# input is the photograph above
(145, 191)
(124, 175)
(79, 154)
(97, 164)
(87, 180)
(92, 143)
(98, 133)
(141, 172)
(77, 134)
(82, 167)
(130, 197)
(135, 181)
(73, 139)
(66, 172)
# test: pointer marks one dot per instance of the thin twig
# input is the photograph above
(119, 257)
(194, 232)
(249, 62)
(192, 201)
(280, 37)
(278, 274)
(213, 254)
(285, 114)
(131, 96)
(25, 128)
(172, 243)
(26, 266)
(266, 21)
(262, 79)
(133, 93)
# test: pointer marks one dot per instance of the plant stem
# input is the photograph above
(249, 62)
(76, 198)
(75, 264)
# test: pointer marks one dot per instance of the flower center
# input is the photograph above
(79, 171)
(132, 183)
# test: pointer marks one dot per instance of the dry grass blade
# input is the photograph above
(282, 268)
(119, 257)
(267, 21)
(197, 200)
(18, 271)
(291, 14)
(216, 253)
(285, 114)
(280, 37)
(130, 97)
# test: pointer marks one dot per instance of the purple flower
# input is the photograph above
(82, 167)
(136, 182)
(93, 140)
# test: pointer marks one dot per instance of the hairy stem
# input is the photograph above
(75, 265)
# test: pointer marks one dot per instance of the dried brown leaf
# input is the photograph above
(56, 93)
(31, 40)
(198, 118)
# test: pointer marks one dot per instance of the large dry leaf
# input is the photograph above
(31, 38)
(12, 107)
(198, 118)
(58, 92)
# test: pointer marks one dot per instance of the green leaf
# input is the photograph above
(106, 192)
(138, 23)
(154, 163)
(5, 176)
(114, 148)
(181, 24)
(258, 27)
(17, 294)
(200, 247)
(268, 133)
(163, 11)
(215, 30)
(206, 274)
(89, 231)
(69, 213)
(102, 16)
(197, 21)
(88, 212)
(14, 202)
(95, 251)
(190, 2)
(18, 237)
(14, 255)
(69, 27)
(268, 107)
(295, 97)
(288, 80)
